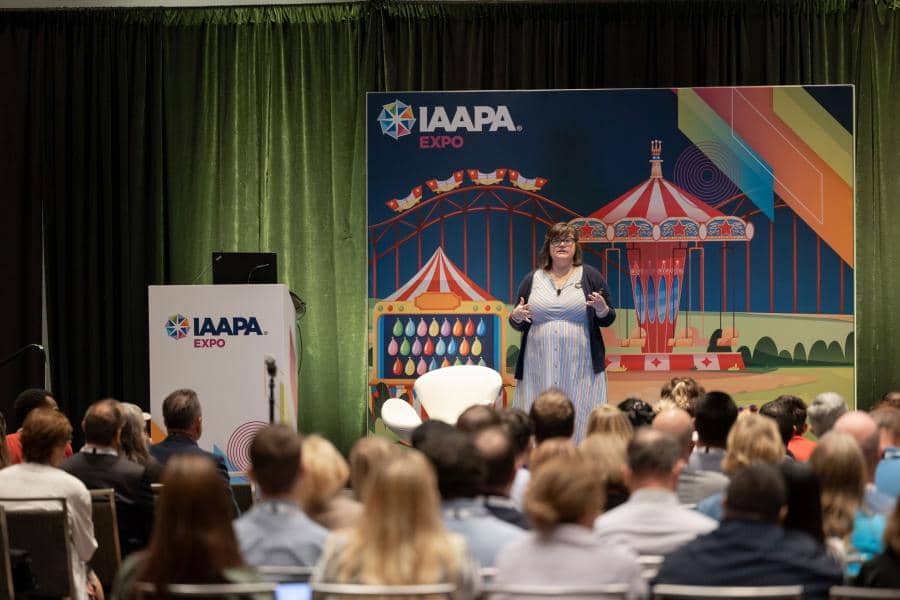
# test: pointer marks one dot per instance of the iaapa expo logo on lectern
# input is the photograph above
(397, 120)
(210, 332)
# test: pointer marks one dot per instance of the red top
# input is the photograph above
(801, 447)
(14, 447)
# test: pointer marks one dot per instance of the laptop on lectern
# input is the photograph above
(244, 267)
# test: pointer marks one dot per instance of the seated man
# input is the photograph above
(496, 448)
(694, 484)
(750, 547)
(865, 431)
(99, 465)
(276, 531)
(714, 414)
(652, 521)
(26, 402)
(460, 473)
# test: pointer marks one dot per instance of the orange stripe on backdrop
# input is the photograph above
(802, 178)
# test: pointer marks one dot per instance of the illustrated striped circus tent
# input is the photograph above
(439, 274)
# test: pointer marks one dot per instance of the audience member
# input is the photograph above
(521, 430)
(192, 540)
(865, 431)
(826, 408)
(778, 411)
(609, 452)
(887, 474)
(652, 521)
(99, 465)
(136, 443)
(752, 439)
(714, 414)
(400, 539)
(183, 417)
(460, 475)
(550, 448)
(609, 419)
(693, 484)
(565, 496)
(368, 455)
(639, 413)
(4, 453)
(499, 455)
(276, 532)
(883, 571)
(26, 402)
(426, 429)
(889, 399)
(553, 415)
(850, 527)
(750, 547)
(804, 500)
(476, 417)
(325, 473)
(44, 437)
(799, 446)
(683, 391)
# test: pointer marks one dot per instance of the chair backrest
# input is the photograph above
(6, 581)
(326, 590)
(711, 592)
(400, 417)
(40, 527)
(108, 557)
(517, 590)
(446, 393)
(840, 592)
(285, 574)
(212, 591)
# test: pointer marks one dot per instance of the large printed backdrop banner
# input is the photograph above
(722, 219)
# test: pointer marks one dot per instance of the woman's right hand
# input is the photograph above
(521, 312)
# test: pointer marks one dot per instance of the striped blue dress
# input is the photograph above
(558, 353)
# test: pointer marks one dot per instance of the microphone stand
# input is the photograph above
(21, 351)
(271, 369)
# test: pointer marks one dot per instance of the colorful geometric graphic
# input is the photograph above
(178, 327)
(396, 119)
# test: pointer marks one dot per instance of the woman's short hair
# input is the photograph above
(367, 456)
(325, 473)
(557, 231)
(564, 490)
(609, 419)
(44, 430)
(752, 439)
(841, 468)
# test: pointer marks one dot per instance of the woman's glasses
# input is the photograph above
(562, 241)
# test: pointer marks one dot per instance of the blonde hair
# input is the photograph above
(564, 490)
(683, 391)
(368, 454)
(400, 538)
(325, 473)
(609, 419)
(610, 453)
(841, 468)
(550, 449)
(752, 439)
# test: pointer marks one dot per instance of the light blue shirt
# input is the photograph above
(484, 533)
(887, 476)
(278, 533)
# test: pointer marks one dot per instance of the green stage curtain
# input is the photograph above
(165, 134)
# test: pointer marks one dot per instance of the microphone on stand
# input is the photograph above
(272, 370)
(254, 269)
(22, 350)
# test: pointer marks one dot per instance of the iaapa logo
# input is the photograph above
(397, 120)
(210, 332)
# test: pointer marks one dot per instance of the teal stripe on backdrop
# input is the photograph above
(169, 133)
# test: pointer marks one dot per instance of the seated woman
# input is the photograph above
(325, 473)
(752, 439)
(883, 571)
(849, 529)
(400, 539)
(192, 540)
(565, 496)
(609, 419)
(609, 452)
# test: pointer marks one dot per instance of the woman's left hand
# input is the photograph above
(596, 301)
